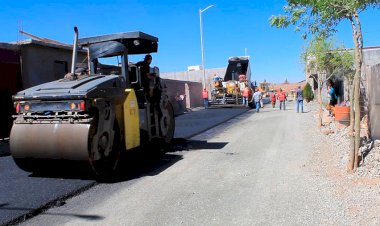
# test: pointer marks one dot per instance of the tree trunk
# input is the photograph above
(356, 29)
(351, 162)
(319, 102)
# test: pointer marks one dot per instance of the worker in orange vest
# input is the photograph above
(282, 98)
(273, 98)
(205, 97)
(246, 94)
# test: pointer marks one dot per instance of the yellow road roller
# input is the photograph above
(96, 112)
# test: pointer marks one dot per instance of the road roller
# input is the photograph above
(96, 112)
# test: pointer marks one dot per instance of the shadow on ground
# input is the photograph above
(181, 144)
(33, 212)
(148, 161)
(133, 164)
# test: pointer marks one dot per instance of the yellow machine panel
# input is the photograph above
(131, 120)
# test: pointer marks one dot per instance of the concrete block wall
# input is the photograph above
(38, 63)
(192, 90)
(195, 76)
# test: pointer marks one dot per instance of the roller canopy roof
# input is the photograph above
(135, 42)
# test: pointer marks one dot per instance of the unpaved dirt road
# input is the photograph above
(252, 170)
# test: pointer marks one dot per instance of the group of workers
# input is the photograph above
(280, 95)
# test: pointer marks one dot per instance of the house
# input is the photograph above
(369, 89)
(28, 63)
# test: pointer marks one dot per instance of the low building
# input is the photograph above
(28, 63)
(370, 80)
(195, 68)
(287, 87)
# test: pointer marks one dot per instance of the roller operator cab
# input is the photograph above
(90, 114)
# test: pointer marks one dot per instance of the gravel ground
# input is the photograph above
(359, 192)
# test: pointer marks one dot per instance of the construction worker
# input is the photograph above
(242, 78)
(246, 94)
(299, 99)
(282, 98)
(205, 97)
(147, 79)
(256, 98)
(333, 97)
(273, 98)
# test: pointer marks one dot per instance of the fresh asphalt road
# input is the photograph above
(22, 193)
(248, 171)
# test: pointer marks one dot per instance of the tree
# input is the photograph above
(321, 17)
(326, 62)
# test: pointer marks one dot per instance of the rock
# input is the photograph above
(376, 143)
(364, 132)
(364, 127)
(370, 145)
(327, 131)
(326, 119)
(340, 126)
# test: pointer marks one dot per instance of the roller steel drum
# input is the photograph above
(50, 141)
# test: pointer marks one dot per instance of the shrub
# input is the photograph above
(308, 94)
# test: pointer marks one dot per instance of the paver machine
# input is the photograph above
(229, 89)
(90, 115)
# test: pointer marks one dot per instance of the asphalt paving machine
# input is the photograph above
(90, 115)
(229, 89)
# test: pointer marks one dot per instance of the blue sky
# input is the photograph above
(229, 28)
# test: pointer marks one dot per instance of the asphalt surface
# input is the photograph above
(23, 194)
(248, 171)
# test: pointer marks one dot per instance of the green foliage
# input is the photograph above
(323, 56)
(308, 94)
(319, 16)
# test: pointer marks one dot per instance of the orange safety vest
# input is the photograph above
(282, 96)
(205, 94)
(246, 92)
